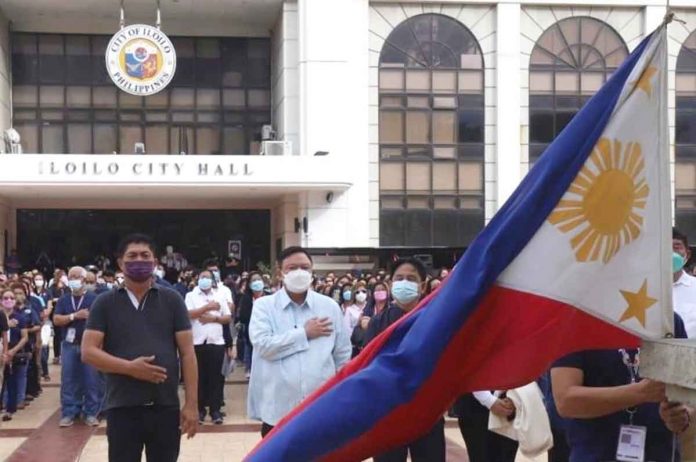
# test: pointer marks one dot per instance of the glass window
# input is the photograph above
(63, 76)
(685, 137)
(571, 60)
(431, 108)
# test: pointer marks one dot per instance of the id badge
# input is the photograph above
(631, 447)
(70, 337)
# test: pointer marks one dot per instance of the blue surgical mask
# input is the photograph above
(256, 286)
(677, 262)
(405, 291)
(347, 295)
(75, 285)
(205, 283)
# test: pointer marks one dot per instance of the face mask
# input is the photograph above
(677, 262)
(109, 285)
(119, 281)
(205, 283)
(256, 286)
(9, 304)
(381, 295)
(405, 291)
(298, 281)
(90, 287)
(39, 283)
(159, 273)
(347, 295)
(360, 297)
(75, 285)
(139, 270)
(216, 275)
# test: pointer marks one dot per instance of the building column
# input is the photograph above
(508, 81)
(5, 75)
(333, 69)
(654, 14)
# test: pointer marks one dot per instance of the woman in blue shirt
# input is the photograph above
(16, 358)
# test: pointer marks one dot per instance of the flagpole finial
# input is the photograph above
(670, 16)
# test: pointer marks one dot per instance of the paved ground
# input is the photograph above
(33, 435)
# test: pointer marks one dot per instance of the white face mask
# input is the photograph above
(297, 281)
(39, 283)
(360, 297)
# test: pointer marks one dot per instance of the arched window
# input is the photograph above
(569, 63)
(431, 130)
(685, 137)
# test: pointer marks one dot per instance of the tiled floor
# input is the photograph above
(228, 443)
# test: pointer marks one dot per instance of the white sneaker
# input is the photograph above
(92, 421)
(66, 422)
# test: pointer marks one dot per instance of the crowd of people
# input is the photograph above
(292, 330)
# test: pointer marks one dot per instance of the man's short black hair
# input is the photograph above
(292, 251)
(108, 274)
(135, 238)
(676, 234)
(417, 264)
(210, 262)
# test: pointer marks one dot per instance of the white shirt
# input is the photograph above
(351, 318)
(210, 333)
(486, 398)
(684, 300)
(227, 293)
(286, 366)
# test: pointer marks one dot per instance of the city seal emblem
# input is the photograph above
(141, 60)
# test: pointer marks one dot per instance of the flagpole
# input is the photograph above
(669, 360)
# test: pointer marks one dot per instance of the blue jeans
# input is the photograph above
(82, 387)
(12, 379)
(22, 383)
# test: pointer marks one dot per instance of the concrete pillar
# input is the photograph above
(508, 123)
(5, 75)
(333, 71)
(283, 217)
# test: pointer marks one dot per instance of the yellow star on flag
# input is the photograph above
(644, 81)
(638, 304)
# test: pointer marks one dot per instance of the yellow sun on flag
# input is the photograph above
(602, 208)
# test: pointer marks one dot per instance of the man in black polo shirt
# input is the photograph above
(133, 335)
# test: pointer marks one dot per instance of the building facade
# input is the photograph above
(396, 124)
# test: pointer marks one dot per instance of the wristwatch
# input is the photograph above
(72, 317)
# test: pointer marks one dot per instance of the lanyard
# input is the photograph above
(79, 304)
(633, 366)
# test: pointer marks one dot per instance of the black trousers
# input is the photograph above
(265, 429)
(57, 340)
(483, 445)
(33, 384)
(130, 429)
(428, 448)
(210, 382)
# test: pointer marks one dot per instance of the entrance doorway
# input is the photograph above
(61, 238)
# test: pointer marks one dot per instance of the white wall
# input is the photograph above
(5, 85)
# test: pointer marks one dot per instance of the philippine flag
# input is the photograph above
(578, 258)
